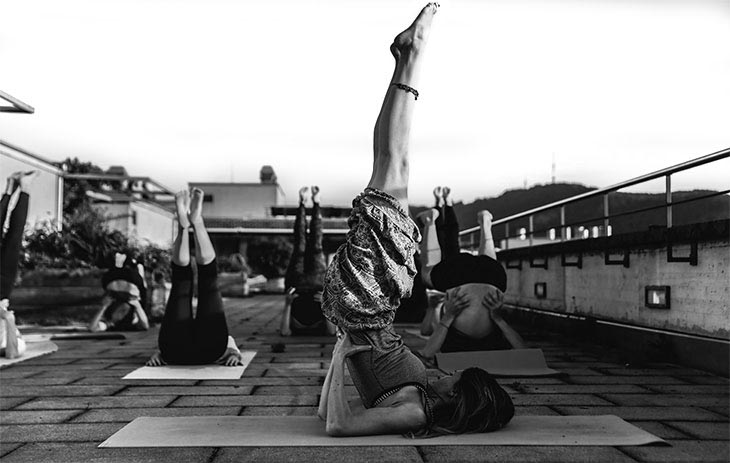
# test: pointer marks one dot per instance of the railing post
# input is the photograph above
(562, 223)
(605, 215)
(531, 228)
(669, 200)
(506, 235)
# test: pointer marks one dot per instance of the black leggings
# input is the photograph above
(201, 340)
(307, 264)
(447, 229)
(11, 241)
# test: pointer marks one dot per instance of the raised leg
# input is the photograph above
(486, 241)
(295, 269)
(12, 240)
(315, 264)
(181, 246)
(204, 251)
(430, 249)
(210, 330)
(448, 228)
(392, 129)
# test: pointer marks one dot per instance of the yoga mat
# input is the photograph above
(90, 336)
(32, 349)
(513, 362)
(193, 371)
(300, 431)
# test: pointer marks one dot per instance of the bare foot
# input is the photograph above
(438, 196)
(484, 218)
(26, 180)
(447, 199)
(12, 182)
(315, 194)
(303, 194)
(428, 216)
(182, 204)
(414, 38)
(196, 207)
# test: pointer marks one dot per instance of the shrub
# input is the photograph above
(269, 256)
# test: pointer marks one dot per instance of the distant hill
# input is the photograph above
(518, 200)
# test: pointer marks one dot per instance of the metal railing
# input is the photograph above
(470, 237)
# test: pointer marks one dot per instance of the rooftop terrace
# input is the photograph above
(60, 407)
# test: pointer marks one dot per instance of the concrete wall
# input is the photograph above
(153, 223)
(45, 196)
(240, 200)
(700, 295)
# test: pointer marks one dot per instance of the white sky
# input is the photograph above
(210, 90)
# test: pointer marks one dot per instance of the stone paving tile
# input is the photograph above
(706, 379)
(661, 429)
(17, 372)
(644, 413)
(260, 400)
(557, 399)
(522, 454)
(642, 380)
(690, 389)
(58, 391)
(293, 373)
(278, 411)
(46, 360)
(293, 366)
(36, 417)
(6, 448)
(107, 380)
(524, 410)
(584, 389)
(640, 400)
(77, 374)
(571, 372)
(96, 402)
(128, 414)
(45, 381)
(723, 410)
(89, 453)
(6, 403)
(318, 454)
(186, 390)
(525, 380)
(265, 381)
(666, 371)
(292, 390)
(682, 452)
(709, 431)
(64, 432)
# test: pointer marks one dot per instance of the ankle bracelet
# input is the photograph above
(406, 88)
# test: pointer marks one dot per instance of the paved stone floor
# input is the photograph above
(59, 407)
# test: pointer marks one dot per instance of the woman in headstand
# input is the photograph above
(368, 277)
(184, 340)
(469, 318)
(302, 314)
(12, 344)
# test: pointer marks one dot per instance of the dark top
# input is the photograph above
(467, 268)
(306, 309)
(126, 273)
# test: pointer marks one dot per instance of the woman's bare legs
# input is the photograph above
(204, 251)
(181, 246)
(393, 127)
(430, 254)
(486, 241)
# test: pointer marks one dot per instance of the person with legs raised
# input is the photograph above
(368, 277)
(203, 339)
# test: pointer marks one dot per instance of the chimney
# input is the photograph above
(267, 175)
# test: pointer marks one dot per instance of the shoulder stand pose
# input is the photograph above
(121, 309)
(12, 344)
(302, 312)
(368, 277)
(469, 318)
(202, 340)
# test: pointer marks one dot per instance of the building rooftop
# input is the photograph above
(60, 407)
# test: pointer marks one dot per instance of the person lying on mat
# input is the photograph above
(121, 309)
(302, 314)
(204, 339)
(469, 318)
(368, 277)
(12, 344)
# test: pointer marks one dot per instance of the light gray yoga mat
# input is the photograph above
(32, 349)
(513, 362)
(194, 371)
(296, 431)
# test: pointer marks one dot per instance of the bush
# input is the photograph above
(269, 256)
(234, 263)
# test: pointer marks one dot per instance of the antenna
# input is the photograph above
(553, 169)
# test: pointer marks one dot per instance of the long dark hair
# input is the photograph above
(478, 404)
